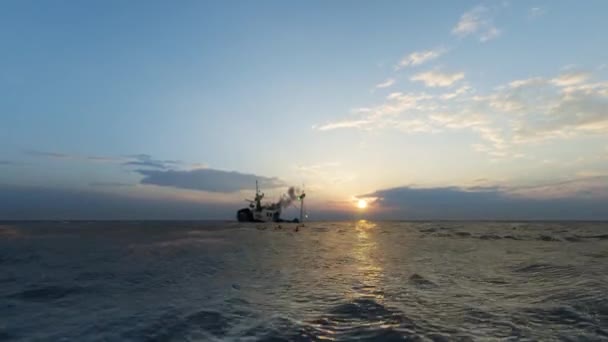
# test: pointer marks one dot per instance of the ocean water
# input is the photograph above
(363, 280)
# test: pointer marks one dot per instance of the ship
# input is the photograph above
(268, 212)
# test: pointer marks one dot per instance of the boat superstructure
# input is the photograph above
(269, 212)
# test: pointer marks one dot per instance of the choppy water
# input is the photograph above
(429, 281)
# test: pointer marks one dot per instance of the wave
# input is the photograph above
(549, 273)
(421, 282)
(47, 293)
(522, 237)
(171, 326)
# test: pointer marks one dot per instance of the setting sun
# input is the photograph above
(362, 204)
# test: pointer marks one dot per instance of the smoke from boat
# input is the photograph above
(288, 198)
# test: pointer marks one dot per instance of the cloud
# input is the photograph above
(420, 57)
(343, 124)
(581, 188)
(536, 12)
(53, 155)
(570, 79)
(436, 78)
(146, 160)
(103, 159)
(591, 173)
(477, 21)
(36, 203)
(376, 117)
(489, 202)
(389, 82)
(505, 119)
(9, 162)
(66, 156)
(316, 168)
(318, 176)
(458, 92)
(139, 160)
(490, 34)
(207, 180)
(110, 184)
(42, 203)
(561, 107)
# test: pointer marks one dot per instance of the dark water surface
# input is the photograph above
(385, 281)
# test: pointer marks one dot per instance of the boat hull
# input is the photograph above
(248, 215)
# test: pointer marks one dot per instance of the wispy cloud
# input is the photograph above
(342, 124)
(435, 78)
(571, 78)
(591, 173)
(465, 89)
(536, 12)
(67, 156)
(318, 176)
(389, 82)
(53, 155)
(110, 184)
(39, 203)
(477, 21)
(490, 34)
(315, 168)
(420, 57)
(564, 106)
(8, 162)
(146, 160)
(505, 119)
(132, 160)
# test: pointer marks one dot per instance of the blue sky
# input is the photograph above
(156, 102)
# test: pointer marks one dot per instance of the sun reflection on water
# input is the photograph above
(369, 272)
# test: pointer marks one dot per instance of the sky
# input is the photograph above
(423, 109)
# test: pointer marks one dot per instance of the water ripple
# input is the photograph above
(342, 281)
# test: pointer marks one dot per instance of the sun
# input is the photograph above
(362, 204)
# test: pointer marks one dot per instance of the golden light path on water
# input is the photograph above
(369, 271)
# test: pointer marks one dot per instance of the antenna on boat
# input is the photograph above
(301, 197)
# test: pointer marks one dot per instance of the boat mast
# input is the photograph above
(302, 207)
(258, 197)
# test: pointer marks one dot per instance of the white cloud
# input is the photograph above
(469, 22)
(436, 78)
(561, 107)
(490, 34)
(420, 57)
(379, 116)
(591, 173)
(458, 92)
(506, 120)
(526, 82)
(415, 126)
(450, 120)
(343, 124)
(314, 168)
(570, 78)
(389, 82)
(477, 21)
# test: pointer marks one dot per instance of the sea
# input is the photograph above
(337, 281)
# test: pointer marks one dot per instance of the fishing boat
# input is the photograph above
(270, 212)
